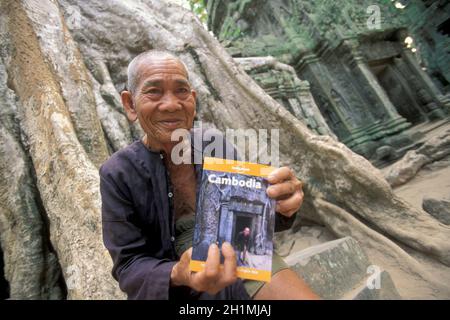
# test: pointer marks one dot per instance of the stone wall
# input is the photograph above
(368, 86)
(429, 23)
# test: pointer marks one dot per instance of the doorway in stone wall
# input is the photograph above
(399, 92)
(241, 221)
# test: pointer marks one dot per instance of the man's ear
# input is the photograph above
(127, 102)
(194, 95)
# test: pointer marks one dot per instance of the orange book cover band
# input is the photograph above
(242, 272)
(234, 166)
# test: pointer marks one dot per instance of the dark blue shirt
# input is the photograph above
(138, 225)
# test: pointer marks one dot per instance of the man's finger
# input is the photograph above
(206, 279)
(212, 264)
(230, 264)
(289, 206)
(280, 174)
(185, 258)
(198, 281)
(282, 189)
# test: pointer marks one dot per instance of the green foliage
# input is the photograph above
(199, 8)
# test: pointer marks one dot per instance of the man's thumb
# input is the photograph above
(185, 258)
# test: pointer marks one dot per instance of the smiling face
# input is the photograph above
(163, 100)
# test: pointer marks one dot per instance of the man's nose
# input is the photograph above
(170, 103)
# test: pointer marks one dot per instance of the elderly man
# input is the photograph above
(148, 202)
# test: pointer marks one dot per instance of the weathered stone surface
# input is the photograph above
(339, 185)
(340, 269)
(429, 21)
(291, 241)
(404, 170)
(354, 56)
(438, 208)
(281, 82)
(437, 165)
(385, 153)
(437, 147)
(332, 268)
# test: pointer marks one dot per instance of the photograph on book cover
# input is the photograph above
(234, 207)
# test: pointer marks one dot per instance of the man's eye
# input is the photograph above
(153, 91)
(182, 90)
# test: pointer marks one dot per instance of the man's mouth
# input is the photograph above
(171, 123)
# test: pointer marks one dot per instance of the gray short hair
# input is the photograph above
(132, 71)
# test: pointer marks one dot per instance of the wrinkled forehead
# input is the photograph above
(161, 66)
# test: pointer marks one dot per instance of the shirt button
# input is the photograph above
(172, 239)
(170, 194)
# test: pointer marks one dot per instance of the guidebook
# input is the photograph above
(232, 206)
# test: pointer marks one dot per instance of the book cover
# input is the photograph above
(232, 206)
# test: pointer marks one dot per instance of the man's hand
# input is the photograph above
(286, 189)
(214, 277)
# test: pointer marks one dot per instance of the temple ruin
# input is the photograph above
(361, 72)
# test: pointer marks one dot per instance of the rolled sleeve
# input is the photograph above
(283, 223)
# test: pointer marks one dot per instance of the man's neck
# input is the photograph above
(166, 150)
(153, 145)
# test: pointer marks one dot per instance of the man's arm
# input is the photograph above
(139, 275)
